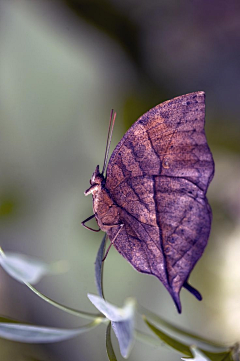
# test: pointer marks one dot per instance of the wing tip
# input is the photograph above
(176, 296)
(177, 302)
(176, 299)
(198, 94)
(201, 92)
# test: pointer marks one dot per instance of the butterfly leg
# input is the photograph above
(90, 229)
(111, 242)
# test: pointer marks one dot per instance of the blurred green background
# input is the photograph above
(63, 66)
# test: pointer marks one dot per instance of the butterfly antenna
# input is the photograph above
(109, 138)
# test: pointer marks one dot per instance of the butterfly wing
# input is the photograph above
(158, 176)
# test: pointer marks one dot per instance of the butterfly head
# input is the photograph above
(95, 182)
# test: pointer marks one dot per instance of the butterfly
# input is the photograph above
(152, 200)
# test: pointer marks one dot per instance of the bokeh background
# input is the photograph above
(63, 66)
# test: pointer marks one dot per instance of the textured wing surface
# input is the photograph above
(158, 175)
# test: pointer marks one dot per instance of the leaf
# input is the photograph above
(235, 352)
(200, 355)
(38, 334)
(125, 335)
(122, 321)
(7, 320)
(109, 347)
(197, 355)
(185, 349)
(176, 345)
(147, 339)
(221, 356)
(112, 312)
(23, 268)
(99, 267)
(192, 338)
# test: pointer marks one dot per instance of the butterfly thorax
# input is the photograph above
(105, 210)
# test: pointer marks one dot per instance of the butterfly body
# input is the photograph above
(105, 211)
(152, 203)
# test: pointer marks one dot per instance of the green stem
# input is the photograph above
(90, 316)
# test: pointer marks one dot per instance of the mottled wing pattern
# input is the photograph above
(158, 176)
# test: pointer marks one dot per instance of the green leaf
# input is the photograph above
(72, 311)
(191, 338)
(176, 345)
(220, 356)
(185, 349)
(149, 340)
(109, 347)
(200, 355)
(7, 320)
(197, 355)
(38, 334)
(99, 267)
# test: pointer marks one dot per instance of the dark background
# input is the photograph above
(63, 66)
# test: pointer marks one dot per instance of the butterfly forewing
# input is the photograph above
(158, 177)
